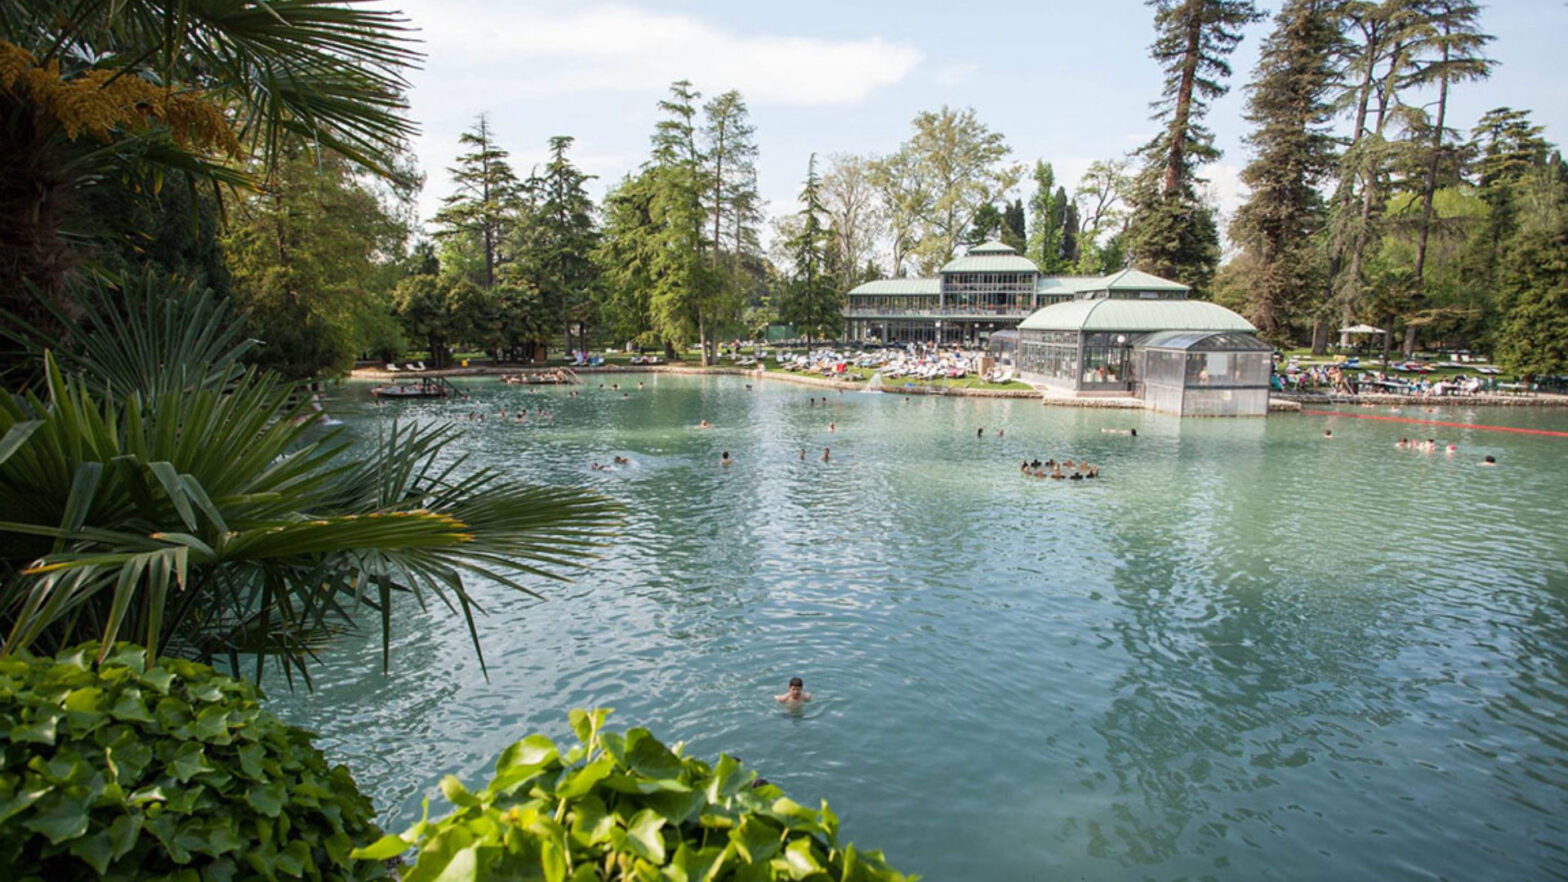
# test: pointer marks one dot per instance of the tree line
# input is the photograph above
(1369, 203)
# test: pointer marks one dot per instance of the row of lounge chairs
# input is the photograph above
(411, 366)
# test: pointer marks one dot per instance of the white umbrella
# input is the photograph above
(1362, 329)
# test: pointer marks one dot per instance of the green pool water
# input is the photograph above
(1244, 652)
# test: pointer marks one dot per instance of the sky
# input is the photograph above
(1067, 82)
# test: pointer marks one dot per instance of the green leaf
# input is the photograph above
(642, 835)
(294, 858)
(97, 850)
(727, 780)
(529, 754)
(159, 679)
(129, 706)
(677, 808)
(251, 756)
(212, 724)
(446, 857)
(123, 833)
(552, 858)
(59, 820)
(189, 761)
(39, 731)
(388, 846)
(19, 801)
(581, 781)
(457, 793)
(697, 865)
(266, 798)
(756, 839)
(801, 862)
(591, 823)
(648, 756)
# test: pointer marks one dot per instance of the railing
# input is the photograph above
(951, 311)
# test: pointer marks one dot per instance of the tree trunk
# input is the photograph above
(1174, 169)
(1428, 190)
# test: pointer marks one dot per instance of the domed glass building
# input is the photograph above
(1128, 334)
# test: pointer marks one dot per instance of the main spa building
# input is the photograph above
(1128, 334)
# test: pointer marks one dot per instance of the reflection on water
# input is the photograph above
(1242, 652)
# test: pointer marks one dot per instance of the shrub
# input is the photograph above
(123, 771)
(625, 807)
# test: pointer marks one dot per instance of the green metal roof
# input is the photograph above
(1137, 280)
(900, 286)
(993, 247)
(1135, 316)
(1065, 284)
(990, 263)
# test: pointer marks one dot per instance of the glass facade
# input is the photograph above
(1197, 374)
(1106, 362)
(1050, 355)
(892, 304)
(988, 292)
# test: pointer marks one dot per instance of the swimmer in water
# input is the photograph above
(796, 693)
(621, 460)
(1328, 434)
(1489, 461)
(832, 427)
(724, 459)
(802, 454)
(825, 455)
(704, 425)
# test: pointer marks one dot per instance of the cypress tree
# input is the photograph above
(1288, 104)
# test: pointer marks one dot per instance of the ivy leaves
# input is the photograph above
(139, 772)
(625, 807)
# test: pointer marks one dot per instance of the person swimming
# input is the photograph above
(724, 458)
(1328, 434)
(1489, 461)
(825, 455)
(621, 460)
(795, 693)
(704, 425)
(832, 427)
(1132, 433)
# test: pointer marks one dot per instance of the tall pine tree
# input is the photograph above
(479, 216)
(1173, 233)
(682, 274)
(812, 303)
(559, 241)
(1289, 106)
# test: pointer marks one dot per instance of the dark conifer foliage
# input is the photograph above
(1172, 233)
(1294, 150)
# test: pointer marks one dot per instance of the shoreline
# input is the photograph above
(1279, 402)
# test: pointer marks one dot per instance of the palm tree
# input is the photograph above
(153, 489)
(126, 93)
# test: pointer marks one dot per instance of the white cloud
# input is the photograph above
(512, 52)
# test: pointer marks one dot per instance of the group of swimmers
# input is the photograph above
(1428, 446)
(620, 461)
(1080, 470)
(520, 416)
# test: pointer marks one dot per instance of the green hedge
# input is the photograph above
(122, 771)
(625, 807)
